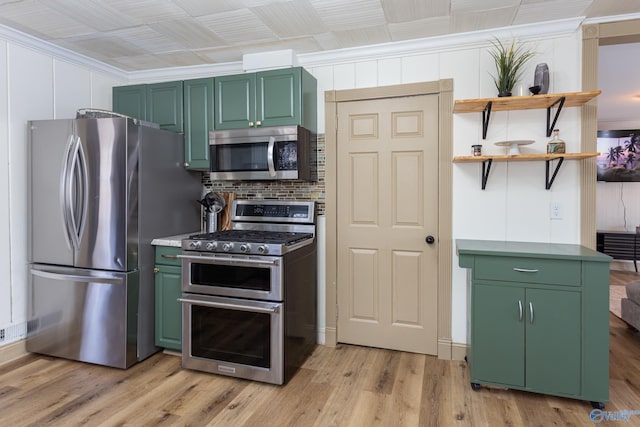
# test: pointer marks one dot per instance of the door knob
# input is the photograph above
(430, 240)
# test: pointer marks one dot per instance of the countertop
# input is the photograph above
(528, 249)
(174, 241)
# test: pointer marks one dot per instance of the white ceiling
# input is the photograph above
(141, 35)
(154, 34)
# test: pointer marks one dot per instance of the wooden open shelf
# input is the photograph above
(548, 101)
(547, 158)
(523, 157)
(572, 99)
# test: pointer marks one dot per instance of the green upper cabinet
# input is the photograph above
(131, 101)
(235, 101)
(159, 103)
(267, 98)
(198, 121)
(164, 105)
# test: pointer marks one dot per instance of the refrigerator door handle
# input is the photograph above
(84, 190)
(77, 199)
(76, 277)
(66, 192)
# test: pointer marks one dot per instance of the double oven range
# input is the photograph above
(249, 293)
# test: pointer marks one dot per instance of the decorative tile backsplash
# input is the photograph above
(279, 190)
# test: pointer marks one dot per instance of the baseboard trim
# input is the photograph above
(330, 337)
(458, 351)
(13, 351)
(444, 349)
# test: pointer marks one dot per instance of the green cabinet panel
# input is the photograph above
(198, 121)
(539, 317)
(235, 101)
(168, 288)
(159, 103)
(278, 97)
(498, 331)
(130, 101)
(164, 105)
(553, 342)
(267, 98)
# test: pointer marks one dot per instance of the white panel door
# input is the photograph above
(387, 205)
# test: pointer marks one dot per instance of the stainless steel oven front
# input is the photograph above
(235, 337)
(243, 276)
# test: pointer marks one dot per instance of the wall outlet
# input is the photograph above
(555, 210)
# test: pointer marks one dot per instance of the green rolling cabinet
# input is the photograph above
(168, 284)
(198, 121)
(539, 317)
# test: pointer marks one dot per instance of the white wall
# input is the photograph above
(515, 205)
(33, 85)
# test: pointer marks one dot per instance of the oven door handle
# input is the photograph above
(231, 306)
(228, 260)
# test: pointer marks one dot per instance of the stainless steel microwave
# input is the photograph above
(267, 153)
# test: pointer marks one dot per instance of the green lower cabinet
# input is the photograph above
(168, 284)
(527, 338)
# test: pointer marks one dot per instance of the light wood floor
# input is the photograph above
(342, 386)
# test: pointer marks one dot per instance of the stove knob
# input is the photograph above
(227, 247)
(195, 244)
(245, 248)
(211, 246)
(263, 249)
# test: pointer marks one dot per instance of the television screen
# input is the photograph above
(619, 158)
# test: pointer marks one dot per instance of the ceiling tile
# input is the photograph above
(291, 18)
(608, 7)
(92, 13)
(239, 26)
(414, 10)
(207, 7)
(148, 11)
(473, 6)
(47, 23)
(362, 36)
(148, 39)
(536, 12)
(189, 33)
(340, 15)
(416, 29)
(482, 20)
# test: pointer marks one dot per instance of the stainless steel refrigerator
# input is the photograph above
(100, 190)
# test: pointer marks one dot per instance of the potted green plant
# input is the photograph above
(509, 61)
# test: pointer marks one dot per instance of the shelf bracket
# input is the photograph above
(486, 113)
(555, 172)
(486, 168)
(560, 103)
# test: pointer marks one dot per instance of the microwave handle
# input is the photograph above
(270, 162)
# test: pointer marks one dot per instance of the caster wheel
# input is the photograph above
(475, 386)
(597, 405)
(465, 359)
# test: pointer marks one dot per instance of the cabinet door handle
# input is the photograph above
(525, 270)
(530, 312)
(250, 124)
(520, 308)
(169, 256)
(258, 123)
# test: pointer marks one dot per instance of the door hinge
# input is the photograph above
(337, 311)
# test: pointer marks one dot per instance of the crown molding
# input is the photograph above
(612, 18)
(184, 73)
(439, 43)
(47, 48)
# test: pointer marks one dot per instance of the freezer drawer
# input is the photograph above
(84, 315)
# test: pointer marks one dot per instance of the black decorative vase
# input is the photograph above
(541, 78)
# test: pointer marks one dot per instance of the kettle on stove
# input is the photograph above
(213, 204)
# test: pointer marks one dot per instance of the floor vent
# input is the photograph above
(11, 333)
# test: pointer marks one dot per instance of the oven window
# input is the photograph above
(230, 276)
(231, 335)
